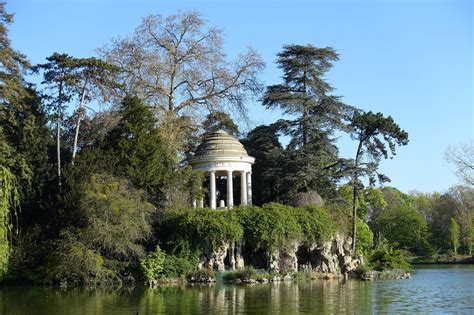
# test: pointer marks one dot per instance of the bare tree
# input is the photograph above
(178, 66)
(175, 63)
(462, 157)
(58, 75)
(92, 78)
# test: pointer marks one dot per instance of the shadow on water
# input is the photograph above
(445, 289)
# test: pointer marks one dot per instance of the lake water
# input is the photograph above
(432, 289)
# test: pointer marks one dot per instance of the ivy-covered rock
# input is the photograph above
(275, 237)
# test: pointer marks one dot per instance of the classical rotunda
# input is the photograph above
(220, 154)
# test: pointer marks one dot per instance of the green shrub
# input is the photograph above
(116, 217)
(271, 226)
(316, 224)
(361, 269)
(231, 275)
(192, 230)
(74, 263)
(112, 220)
(152, 266)
(246, 273)
(385, 257)
(176, 266)
(365, 238)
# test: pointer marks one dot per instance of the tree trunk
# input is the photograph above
(58, 134)
(78, 124)
(355, 192)
(305, 114)
(171, 92)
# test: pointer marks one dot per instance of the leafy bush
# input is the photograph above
(152, 265)
(73, 262)
(28, 251)
(246, 273)
(116, 217)
(271, 226)
(191, 230)
(230, 276)
(365, 237)
(385, 257)
(316, 225)
(112, 219)
(177, 266)
(361, 269)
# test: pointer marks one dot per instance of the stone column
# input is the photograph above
(243, 188)
(194, 203)
(200, 201)
(212, 196)
(230, 190)
(249, 188)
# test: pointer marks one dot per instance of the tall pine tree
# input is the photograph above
(315, 115)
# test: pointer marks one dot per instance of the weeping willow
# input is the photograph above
(9, 200)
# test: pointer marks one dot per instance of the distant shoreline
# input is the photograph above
(459, 260)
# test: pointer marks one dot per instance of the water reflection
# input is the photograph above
(430, 290)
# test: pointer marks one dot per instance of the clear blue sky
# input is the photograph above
(412, 60)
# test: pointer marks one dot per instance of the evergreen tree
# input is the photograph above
(454, 235)
(269, 170)
(135, 149)
(371, 130)
(304, 95)
(24, 141)
(220, 121)
(59, 79)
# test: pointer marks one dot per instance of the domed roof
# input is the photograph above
(220, 143)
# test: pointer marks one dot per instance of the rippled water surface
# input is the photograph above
(433, 289)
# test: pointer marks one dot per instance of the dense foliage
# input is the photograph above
(400, 223)
(102, 196)
(8, 200)
(152, 265)
(269, 227)
(385, 257)
(111, 222)
(311, 161)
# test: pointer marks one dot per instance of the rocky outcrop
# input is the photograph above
(213, 258)
(331, 257)
(398, 274)
(239, 258)
(284, 259)
(335, 256)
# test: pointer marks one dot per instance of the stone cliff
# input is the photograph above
(330, 257)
